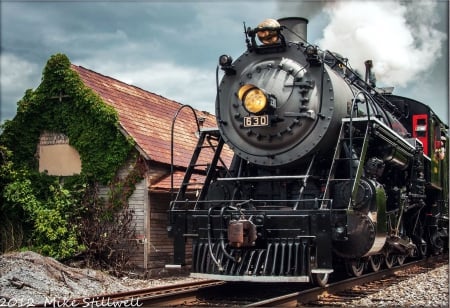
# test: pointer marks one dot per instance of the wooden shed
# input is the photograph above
(147, 118)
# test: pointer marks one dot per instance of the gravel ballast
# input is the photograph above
(27, 279)
(430, 289)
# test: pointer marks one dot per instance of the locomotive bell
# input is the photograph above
(266, 35)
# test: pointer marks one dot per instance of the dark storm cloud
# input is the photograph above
(86, 29)
(169, 48)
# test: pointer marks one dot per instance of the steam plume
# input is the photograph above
(399, 37)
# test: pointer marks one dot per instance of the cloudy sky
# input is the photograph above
(171, 47)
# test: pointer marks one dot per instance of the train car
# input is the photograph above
(328, 170)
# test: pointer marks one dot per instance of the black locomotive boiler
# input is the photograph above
(328, 169)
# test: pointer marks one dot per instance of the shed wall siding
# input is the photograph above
(137, 203)
(154, 247)
(160, 245)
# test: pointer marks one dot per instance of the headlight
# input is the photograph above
(253, 99)
(225, 60)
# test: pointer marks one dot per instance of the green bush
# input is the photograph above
(11, 229)
(51, 234)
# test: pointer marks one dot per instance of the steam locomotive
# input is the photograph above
(328, 170)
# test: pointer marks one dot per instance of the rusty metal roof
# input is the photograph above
(165, 183)
(147, 118)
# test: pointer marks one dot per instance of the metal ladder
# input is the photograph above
(208, 139)
(354, 158)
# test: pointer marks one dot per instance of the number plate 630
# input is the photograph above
(252, 121)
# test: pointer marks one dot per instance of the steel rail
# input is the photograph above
(185, 294)
(300, 298)
(166, 295)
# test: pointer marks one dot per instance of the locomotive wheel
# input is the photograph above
(422, 249)
(319, 279)
(389, 260)
(355, 267)
(437, 244)
(375, 262)
(401, 260)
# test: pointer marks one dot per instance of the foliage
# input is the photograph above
(35, 204)
(51, 234)
(11, 231)
(121, 190)
(110, 237)
(63, 104)
(49, 209)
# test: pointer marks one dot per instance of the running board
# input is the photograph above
(173, 266)
(251, 278)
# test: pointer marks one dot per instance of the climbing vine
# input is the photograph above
(62, 104)
(122, 189)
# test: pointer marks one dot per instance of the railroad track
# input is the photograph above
(218, 293)
(169, 295)
(343, 292)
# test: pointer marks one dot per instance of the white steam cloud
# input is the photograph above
(399, 37)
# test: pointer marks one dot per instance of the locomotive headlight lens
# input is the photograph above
(253, 98)
(255, 101)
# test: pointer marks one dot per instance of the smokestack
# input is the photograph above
(296, 29)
